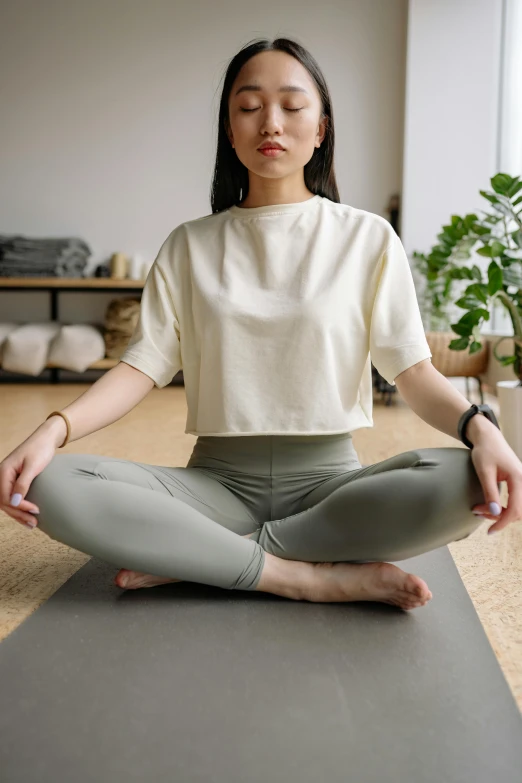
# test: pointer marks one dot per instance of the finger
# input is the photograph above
(513, 511)
(490, 487)
(482, 510)
(27, 506)
(21, 486)
(20, 516)
(497, 527)
(8, 476)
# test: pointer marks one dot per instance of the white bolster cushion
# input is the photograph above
(26, 347)
(5, 328)
(77, 346)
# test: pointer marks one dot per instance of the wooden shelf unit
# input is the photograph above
(56, 284)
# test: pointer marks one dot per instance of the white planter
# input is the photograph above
(510, 401)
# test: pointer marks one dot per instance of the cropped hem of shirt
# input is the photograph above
(275, 314)
(357, 419)
(285, 432)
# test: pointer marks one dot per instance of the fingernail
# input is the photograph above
(30, 524)
(478, 513)
(493, 531)
(16, 499)
(495, 509)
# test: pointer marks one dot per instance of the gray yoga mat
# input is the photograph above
(186, 682)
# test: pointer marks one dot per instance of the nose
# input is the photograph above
(272, 122)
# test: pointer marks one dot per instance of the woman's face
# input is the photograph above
(267, 112)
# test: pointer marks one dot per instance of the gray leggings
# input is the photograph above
(306, 497)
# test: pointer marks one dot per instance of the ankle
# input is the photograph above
(288, 578)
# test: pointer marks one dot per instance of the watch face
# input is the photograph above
(489, 414)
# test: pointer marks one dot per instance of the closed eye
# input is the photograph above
(241, 108)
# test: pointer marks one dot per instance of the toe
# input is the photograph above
(122, 578)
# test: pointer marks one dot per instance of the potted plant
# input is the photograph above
(496, 235)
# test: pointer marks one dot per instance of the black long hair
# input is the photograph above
(230, 181)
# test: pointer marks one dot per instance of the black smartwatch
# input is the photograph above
(467, 415)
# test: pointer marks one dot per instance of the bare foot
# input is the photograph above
(382, 582)
(132, 580)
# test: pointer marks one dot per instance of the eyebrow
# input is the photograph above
(284, 88)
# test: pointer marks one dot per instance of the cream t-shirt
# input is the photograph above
(274, 313)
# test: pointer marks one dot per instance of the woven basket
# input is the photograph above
(121, 318)
(456, 363)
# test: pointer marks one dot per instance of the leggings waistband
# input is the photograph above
(276, 454)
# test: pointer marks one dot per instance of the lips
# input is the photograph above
(271, 152)
(270, 146)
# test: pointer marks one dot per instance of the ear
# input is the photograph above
(321, 132)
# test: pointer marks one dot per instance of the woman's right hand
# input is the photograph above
(18, 470)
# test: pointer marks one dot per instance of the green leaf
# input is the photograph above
(459, 344)
(476, 272)
(461, 274)
(475, 346)
(436, 264)
(473, 317)
(501, 183)
(462, 329)
(497, 248)
(515, 187)
(517, 237)
(494, 278)
(491, 219)
(470, 220)
(490, 196)
(479, 290)
(505, 360)
(485, 251)
(467, 302)
(439, 255)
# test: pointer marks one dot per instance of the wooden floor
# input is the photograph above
(33, 566)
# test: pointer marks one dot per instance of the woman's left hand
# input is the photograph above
(495, 461)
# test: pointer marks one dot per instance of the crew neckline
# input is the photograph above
(275, 209)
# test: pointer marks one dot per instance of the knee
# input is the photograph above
(462, 485)
(452, 492)
(48, 491)
(447, 486)
(47, 483)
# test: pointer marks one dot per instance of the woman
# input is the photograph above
(273, 305)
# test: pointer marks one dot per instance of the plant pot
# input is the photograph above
(510, 401)
(455, 364)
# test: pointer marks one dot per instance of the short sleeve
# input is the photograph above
(154, 347)
(397, 337)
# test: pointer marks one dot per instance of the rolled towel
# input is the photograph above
(26, 348)
(76, 347)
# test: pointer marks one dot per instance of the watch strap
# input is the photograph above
(467, 415)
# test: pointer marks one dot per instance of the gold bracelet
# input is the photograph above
(68, 425)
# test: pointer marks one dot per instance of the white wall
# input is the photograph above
(510, 125)
(110, 107)
(451, 115)
(451, 144)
